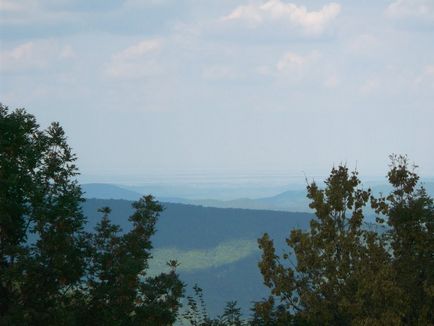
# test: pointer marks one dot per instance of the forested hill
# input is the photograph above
(289, 201)
(216, 247)
(188, 226)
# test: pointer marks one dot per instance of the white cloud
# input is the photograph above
(295, 63)
(294, 67)
(139, 50)
(23, 51)
(138, 60)
(277, 10)
(291, 61)
(33, 55)
(250, 13)
(411, 8)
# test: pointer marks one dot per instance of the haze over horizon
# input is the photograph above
(160, 87)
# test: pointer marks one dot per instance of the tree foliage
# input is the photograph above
(341, 272)
(196, 313)
(52, 272)
(41, 243)
(409, 213)
(117, 287)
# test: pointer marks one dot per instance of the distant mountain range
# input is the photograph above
(108, 191)
(214, 240)
(290, 201)
(217, 248)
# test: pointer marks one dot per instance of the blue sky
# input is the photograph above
(220, 86)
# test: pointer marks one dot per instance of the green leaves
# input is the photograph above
(341, 272)
(51, 271)
(41, 252)
(410, 217)
(117, 289)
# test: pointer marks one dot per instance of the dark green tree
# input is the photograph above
(231, 315)
(196, 313)
(266, 313)
(41, 243)
(52, 272)
(118, 291)
(337, 273)
(409, 214)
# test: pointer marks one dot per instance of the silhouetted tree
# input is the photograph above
(42, 252)
(196, 313)
(409, 214)
(231, 315)
(337, 273)
(51, 271)
(118, 291)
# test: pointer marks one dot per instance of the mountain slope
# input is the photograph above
(108, 191)
(216, 247)
(290, 201)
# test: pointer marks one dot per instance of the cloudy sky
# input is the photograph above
(151, 86)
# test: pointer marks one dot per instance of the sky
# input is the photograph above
(218, 87)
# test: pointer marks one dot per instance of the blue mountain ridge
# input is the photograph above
(219, 244)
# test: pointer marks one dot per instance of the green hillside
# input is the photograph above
(216, 247)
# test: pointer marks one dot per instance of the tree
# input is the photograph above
(409, 213)
(118, 292)
(266, 313)
(41, 243)
(52, 272)
(231, 315)
(196, 313)
(337, 273)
